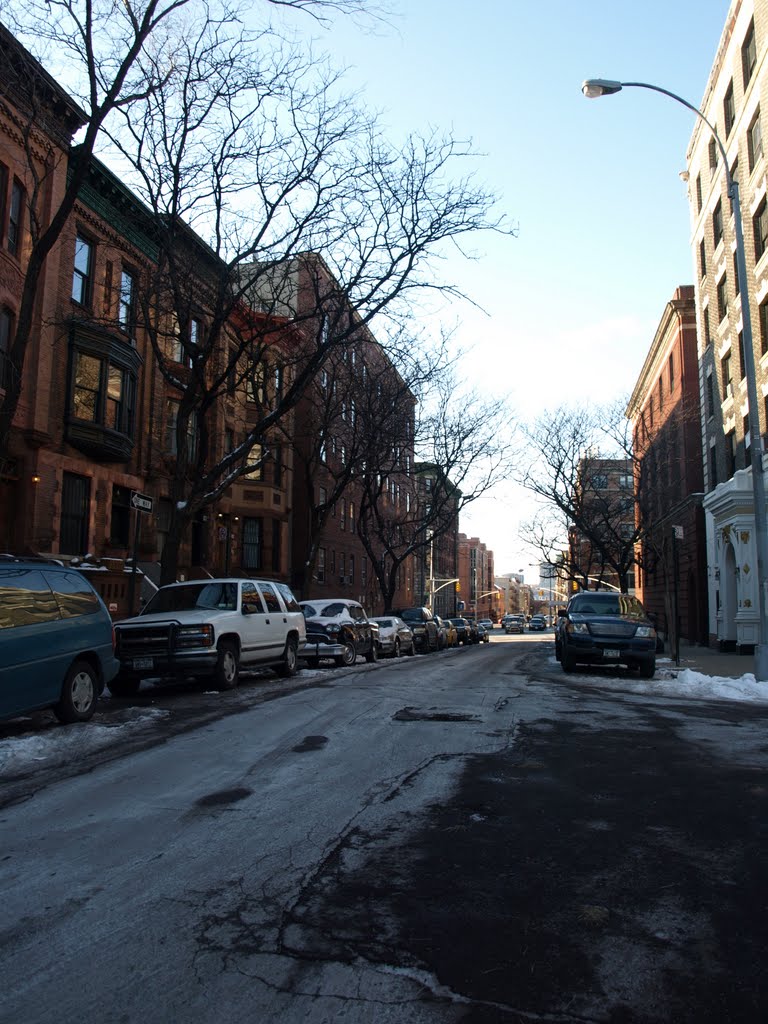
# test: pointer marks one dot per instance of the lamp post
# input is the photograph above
(593, 88)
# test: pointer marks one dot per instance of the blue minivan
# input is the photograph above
(56, 641)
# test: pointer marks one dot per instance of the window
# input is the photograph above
(741, 367)
(661, 393)
(730, 453)
(120, 519)
(599, 481)
(172, 416)
(320, 569)
(352, 569)
(745, 426)
(103, 393)
(322, 497)
(6, 333)
(125, 314)
(15, 217)
(364, 572)
(763, 314)
(707, 331)
(75, 513)
(255, 459)
(722, 298)
(754, 141)
(698, 193)
(343, 519)
(736, 285)
(82, 278)
(713, 154)
(352, 523)
(717, 223)
(3, 196)
(748, 54)
(342, 567)
(252, 542)
(276, 545)
(229, 440)
(671, 367)
(710, 397)
(729, 109)
(760, 229)
(195, 336)
(725, 369)
(702, 259)
(277, 466)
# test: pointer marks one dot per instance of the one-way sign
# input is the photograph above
(141, 502)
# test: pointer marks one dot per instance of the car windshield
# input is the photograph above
(384, 622)
(219, 596)
(610, 604)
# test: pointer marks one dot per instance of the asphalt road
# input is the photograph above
(471, 837)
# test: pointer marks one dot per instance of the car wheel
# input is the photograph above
(124, 686)
(227, 670)
(289, 665)
(396, 653)
(647, 668)
(411, 652)
(348, 656)
(568, 662)
(373, 654)
(78, 694)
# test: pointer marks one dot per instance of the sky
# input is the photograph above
(46, 744)
(571, 304)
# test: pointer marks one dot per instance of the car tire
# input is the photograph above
(289, 666)
(411, 652)
(396, 652)
(647, 668)
(227, 671)
(348, 657)
(372, 655)
(567, 661)
(124, 685)
(79, 694)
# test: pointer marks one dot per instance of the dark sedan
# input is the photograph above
(605, 629)
(463, 631)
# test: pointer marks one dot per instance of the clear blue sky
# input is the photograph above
(575, 299)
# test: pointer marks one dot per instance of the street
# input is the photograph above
(471, 836)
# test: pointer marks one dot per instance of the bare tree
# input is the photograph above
(459, 451)
(113, 58)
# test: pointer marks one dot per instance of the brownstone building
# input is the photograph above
(664, 413)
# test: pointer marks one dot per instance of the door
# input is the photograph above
(75, 514)
(276, 625)
(253, 630)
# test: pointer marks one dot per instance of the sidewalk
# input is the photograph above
(708, 661)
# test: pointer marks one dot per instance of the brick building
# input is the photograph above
(665, 417)
(481, 596)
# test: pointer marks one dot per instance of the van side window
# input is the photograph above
(25, 599)
(74, 594)
(251, 602)
(291, 604)
(271, 599)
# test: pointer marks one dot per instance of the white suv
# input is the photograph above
(210, 628)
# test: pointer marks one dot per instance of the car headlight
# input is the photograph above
(195, 636)
(333, 629)
(648, 631)
(577, 627)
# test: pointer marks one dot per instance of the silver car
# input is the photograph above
(395, 636)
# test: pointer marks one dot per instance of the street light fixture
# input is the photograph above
(592, 89)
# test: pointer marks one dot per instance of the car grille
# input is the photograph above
(625, 629)
(144, 640)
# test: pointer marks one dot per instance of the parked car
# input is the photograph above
(473, 630)
(395, 636)
(538, 624)
(56, 641)
(605, 629)
(422, 622)
(338, 628)
(463, 630)
(451, 636)
(210, 628)
(487, 624)
(514, 624)
(483, 636)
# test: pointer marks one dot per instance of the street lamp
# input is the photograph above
(593, 88)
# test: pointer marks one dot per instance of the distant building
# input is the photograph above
(481, 597)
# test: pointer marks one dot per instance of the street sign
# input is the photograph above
(141, 502)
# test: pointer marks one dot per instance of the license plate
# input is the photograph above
(142, 663)
(609, 652)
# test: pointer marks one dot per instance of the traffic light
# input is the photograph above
(458, 587)
(574, 586)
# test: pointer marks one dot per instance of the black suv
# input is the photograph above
(423, 627)
(605, 629)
